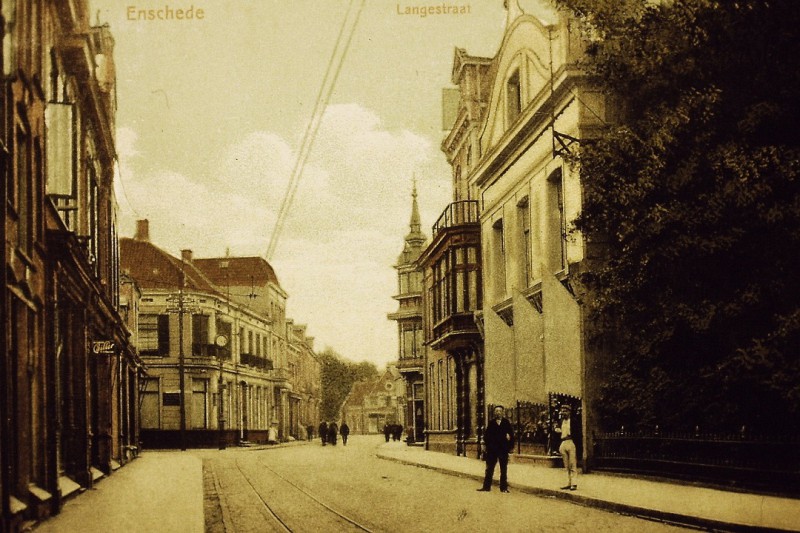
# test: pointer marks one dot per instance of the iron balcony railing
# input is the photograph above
(457, 214)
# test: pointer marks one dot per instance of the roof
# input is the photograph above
(153, 268)
(237, 271)
(359, 391)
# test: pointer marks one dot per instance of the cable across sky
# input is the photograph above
(328, 83)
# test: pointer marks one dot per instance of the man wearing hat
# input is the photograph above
(499, 440)
(567, 447)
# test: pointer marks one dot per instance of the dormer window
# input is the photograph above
(513, 98)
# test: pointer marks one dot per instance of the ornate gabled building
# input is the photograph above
(452, 286)
(502, 322)
(375, 403)
(65, 355)
(411, 356)
(539, 106)
(217, 362)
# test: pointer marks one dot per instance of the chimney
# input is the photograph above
(186, 255)
(142, 230)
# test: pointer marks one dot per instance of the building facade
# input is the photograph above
(213, 337)
(376, 403)
(503, 324)
(305, 379)
(66, 357)
(539, 105)
(453, 292)
(411, 356)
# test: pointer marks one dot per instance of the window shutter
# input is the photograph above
(60, 149)
(163, 334)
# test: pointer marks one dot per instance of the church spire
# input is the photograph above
(415, 240)
(415, 220)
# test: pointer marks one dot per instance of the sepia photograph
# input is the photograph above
(400, 266)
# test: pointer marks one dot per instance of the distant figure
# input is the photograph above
(397, 432)
(410, 435)
(272, 434)
(344, 429)
(499, 440)
(309, 432)
(567, 447)
(332, 430)
(323, 432)
(386, 431)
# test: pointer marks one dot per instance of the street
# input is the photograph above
(347, 488)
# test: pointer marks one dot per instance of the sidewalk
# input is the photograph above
(160, 491)
(668, 501)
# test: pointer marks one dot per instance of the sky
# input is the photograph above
(211, 115)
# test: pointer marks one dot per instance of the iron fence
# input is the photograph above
(730, 458)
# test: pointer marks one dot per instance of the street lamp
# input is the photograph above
(221, 341)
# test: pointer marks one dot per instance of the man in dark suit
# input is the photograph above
(498, 441)
(323, 432)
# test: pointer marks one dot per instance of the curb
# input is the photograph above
(619, 508)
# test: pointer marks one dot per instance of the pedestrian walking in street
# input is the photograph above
(567, 448)
(323, 432)
(498, 441)
(386, 432)
(332, 432)
(344, 429)
(309, 432)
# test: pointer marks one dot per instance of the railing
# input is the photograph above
(255, 361)
(455, 323)
(740, 458)
(534, 423)
(457, 214)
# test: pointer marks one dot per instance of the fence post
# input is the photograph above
(519, 431)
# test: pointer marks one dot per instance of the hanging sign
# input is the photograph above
(103, 347)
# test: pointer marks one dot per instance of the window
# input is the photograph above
(499, 263)
(524, 215)
(199, 403)
(154, 334)
(457, 182)
(150, 411)
(410, 341)
(94, 213)
(513, 98)
(556, 223)
(200, 342)
(24, 185)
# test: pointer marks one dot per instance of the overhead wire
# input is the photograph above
(309, 136)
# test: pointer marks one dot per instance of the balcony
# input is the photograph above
(255, 361)
(455, 330)
(456, 214)
(410, 364)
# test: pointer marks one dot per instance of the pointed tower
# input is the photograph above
(415, 240)
(411, 353)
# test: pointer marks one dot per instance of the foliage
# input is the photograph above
(694, 198)
(338, 376)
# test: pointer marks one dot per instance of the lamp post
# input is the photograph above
(221, 341)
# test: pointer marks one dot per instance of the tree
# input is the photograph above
(694, 197)
(338, 376)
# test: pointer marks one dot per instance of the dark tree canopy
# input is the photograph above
(338, 376)
(694, 197)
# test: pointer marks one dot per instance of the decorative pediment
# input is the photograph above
(534, 297)
(505, 310)
(524, 59)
